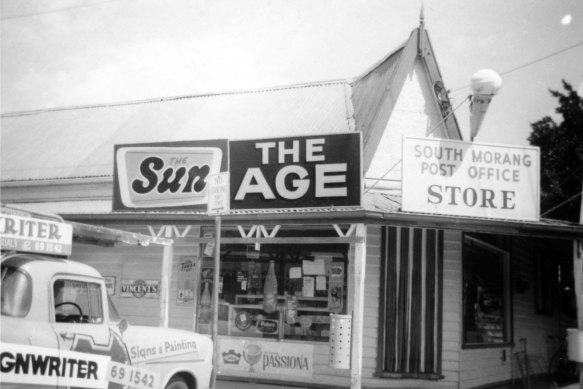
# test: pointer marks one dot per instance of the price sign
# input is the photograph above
(218, 194)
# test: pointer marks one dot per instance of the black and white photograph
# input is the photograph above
(316, 194)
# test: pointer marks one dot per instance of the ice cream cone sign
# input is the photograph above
(485, 84)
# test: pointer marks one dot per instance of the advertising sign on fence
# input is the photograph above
(470, 179)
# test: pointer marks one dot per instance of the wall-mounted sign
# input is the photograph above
(109, 284)
(218, 194)
(21, 233)
(296, 172)
(256, 358)
(470, 179)
(149, 289)
(186, 280)
(166, 175)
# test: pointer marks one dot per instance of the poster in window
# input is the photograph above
(109, 285)
(336, 287)
(186, 280)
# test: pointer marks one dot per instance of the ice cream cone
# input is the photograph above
(478, 108)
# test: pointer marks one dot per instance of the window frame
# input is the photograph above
(506, 267)
(98, 298)
(25, 302)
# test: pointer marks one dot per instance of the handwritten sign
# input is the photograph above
(218, 194)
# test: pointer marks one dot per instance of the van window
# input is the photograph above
(77, 302)
(16, 292)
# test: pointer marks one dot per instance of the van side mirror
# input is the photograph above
(123, 326)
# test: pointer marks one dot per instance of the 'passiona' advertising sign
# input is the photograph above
(256, 357)
(470, 179)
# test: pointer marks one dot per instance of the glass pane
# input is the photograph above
(485, 294)
(16, 292)
(274, 291)
(77, 302)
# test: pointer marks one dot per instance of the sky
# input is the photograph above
(63, 53)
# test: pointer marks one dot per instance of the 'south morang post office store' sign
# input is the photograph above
(291, 172)
(470, 179)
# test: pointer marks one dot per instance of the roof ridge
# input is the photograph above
(181, 97)
(382, 60)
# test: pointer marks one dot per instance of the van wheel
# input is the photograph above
(177, 383)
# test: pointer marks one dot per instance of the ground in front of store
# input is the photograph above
(536, 383)
(223, 384)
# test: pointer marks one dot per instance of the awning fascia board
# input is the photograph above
(560, 230)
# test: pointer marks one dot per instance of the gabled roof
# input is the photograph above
(376, 91)
(77, 142)
(74, 145)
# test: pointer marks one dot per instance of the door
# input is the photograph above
(81, 326)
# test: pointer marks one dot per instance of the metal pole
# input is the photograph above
(358, 312)
(166, 275)
(216, 278)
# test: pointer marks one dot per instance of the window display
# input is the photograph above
(486, 294)
(274, 290)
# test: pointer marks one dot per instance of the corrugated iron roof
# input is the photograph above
(78, 141)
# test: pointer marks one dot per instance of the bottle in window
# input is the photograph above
(205, 305)
(291, 311)
(270, 290)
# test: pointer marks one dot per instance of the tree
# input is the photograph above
(561, 152)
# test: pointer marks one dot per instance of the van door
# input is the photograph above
(79, 319)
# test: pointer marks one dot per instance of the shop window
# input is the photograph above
(486, 294)
(411, 303)
(274, 291)
(77, 302)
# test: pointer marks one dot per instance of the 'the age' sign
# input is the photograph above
(298, 172)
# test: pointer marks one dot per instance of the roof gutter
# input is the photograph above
(558, 230)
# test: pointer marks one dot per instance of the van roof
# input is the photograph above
(45, 266)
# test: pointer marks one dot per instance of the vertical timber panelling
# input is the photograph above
(181, 316)
(372, 301)
(535, 328)
(452, 303)
(131, 263)
(127, 262)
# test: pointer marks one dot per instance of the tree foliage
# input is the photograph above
(561, 151)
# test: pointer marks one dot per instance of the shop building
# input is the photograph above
(435, 300)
